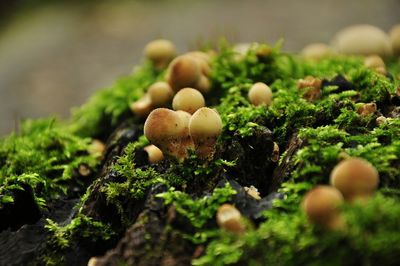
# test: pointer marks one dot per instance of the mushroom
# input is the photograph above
(96, 148)
(184, 71)
(375, 62)
(394, 36)
(316, 51)
(230, 219)
(321, 207)
(154, 154)
(168, 130)
(188, 100)
(367, 109)
(356, 178)
(143, 106)
(160, 52)
(260, 94)
(362, 40)
(160, 93)
(205, 126)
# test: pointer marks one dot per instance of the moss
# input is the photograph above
(43, 156)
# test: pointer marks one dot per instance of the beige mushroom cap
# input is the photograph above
(162, 124)
(362, 39)
(230, 219)
(260, 94)
(143, 106)
(356, 178)
(160, 93)
(394, 35)
(160, 52)
(316, 51)
(154, 153)
(321, 206)
(188, 100)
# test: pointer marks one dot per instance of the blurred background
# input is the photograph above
(54, 54)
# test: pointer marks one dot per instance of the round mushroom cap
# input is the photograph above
(321, 203)
(160, 93)
(143, 106)
(188, 100)
(394, 35)
(260, 94)
(355, 178)
(184, 71)
(154, 154)
(362, 39)
(160, 50)
(230, 219)
(205, 123)
(374, 61)
(316, 51)
(163, 124)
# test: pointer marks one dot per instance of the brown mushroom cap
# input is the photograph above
(205, 126)
(356, 178)
(184, 71)
(374, 61)
(188, 100)
(160, 93)
(321, 206)
(260, 94)
(160, 52)
(230, 219)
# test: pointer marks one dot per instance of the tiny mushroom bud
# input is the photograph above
(203, 84)
(356, 178)
(275, 153)
(184, 71)
(252, 191)
(367, 109)
(230, 219)
(260, 94)
(205, 126)
(168, 130)
(93, 261)
(188, 100)
(381, 119)
(142, 107)
(160, 52)
(394, 36)
(321, 207)
(160, 93)
(154, 153)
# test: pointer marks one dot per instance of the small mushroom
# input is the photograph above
(260, 94)
(356, 178)
(375, 62)
(184, 71)
(205, 126)
(203, 84)
(160, 52)
(321, 207)
(230, 219)
(188, 100)
(160, 93)
(381, 120)
(275, 153)
(167, 130)
(143, 106)
(316, 51)
(93, 261)
(362, 40)
(253, 192)
(394, 36)
(155, 155)
(96, 148)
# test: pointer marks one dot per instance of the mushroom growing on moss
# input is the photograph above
(188, 100)
(143, 106)
(321, 207)
(367, 109)
(205, 126)
(160, 52)
(260, 94)
(316, 51)
(168, 130)
(356, 178)
(154, 154)
(230, 219)
(375, 62)
(160, 93)
(184, 71)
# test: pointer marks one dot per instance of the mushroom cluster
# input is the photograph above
(188, 72)
(353, 179)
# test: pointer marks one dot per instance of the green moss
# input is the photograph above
(43, 156)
